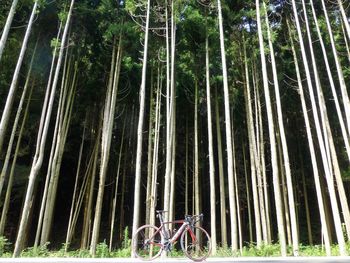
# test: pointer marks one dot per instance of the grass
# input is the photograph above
(102, 250)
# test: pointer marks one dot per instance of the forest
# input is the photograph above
(113, 109)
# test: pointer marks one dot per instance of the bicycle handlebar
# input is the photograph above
(194, 219)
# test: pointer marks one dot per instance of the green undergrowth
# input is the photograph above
(124, 251)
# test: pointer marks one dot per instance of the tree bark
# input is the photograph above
(13, 87)
(272, 139)
(41, 141)
(7, 26)
(137, 189)
(233, 214)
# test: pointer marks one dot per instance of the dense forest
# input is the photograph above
(112, 109)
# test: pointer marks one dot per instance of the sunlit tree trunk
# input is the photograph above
(211, 154)
(107, 130)
(64, 117)
(310, 139)
(114, 204)
(272, 139)
(343, 88)
(7, 26)
(258, 201)
(155, 152)
(285, 155)
(221, 175)
(345, 133)
(142, 94)
(6, 113)
(15, 124)
(41, 141)
(323, 139)
(6, 204)
(260, 162)
(233, 213)
(170, 106)
(149, 152)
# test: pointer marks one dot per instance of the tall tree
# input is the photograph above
(41, 141)
(7, 27)
(13, 87)
(272, 138)
(142, 94)
(233, 215)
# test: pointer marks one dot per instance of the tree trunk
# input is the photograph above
(41, 141)
(13, 165)
(114, 204)
(233, 214)
(14, 126)
(221, 175)
(309, 136)
(13, 87)
(211, 154)
(137, 189)
(272, 139)
(254, 161)
(285, 155)
(7, 26)
(107, 131)
(323, 140)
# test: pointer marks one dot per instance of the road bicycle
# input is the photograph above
(150, 241)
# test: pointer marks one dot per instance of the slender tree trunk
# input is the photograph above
(39, 154)
(196, 153)
(254, 161)
(285, 155)
(272, 138)
(137, 191)
(211, 154)
(107, 131)
(149, 153)
(221, 175)
(323, 140)
(114, 204)
(15, 124)
(155, 152)
(250, 225)
(331, 81)
(310, 140)
(85, 237)
(7, 26)
(13, 87)
(233, 214)
(75, 188)
(170, 132)
(64, 117)
(343, 88)
(6, 204)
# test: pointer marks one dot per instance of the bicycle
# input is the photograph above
(150, 241)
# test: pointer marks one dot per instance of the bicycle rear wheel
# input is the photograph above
(196, 243)
(147, 242)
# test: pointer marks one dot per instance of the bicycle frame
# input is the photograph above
(168, 239)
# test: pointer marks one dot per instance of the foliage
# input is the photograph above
(102, 250)
(34, 252)
(4, 247)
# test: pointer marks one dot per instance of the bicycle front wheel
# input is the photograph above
(196, 243)
(147, 242)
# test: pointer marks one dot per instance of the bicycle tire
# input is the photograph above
(147, 242)
(196, 243)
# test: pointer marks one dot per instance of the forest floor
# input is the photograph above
(179, 260)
